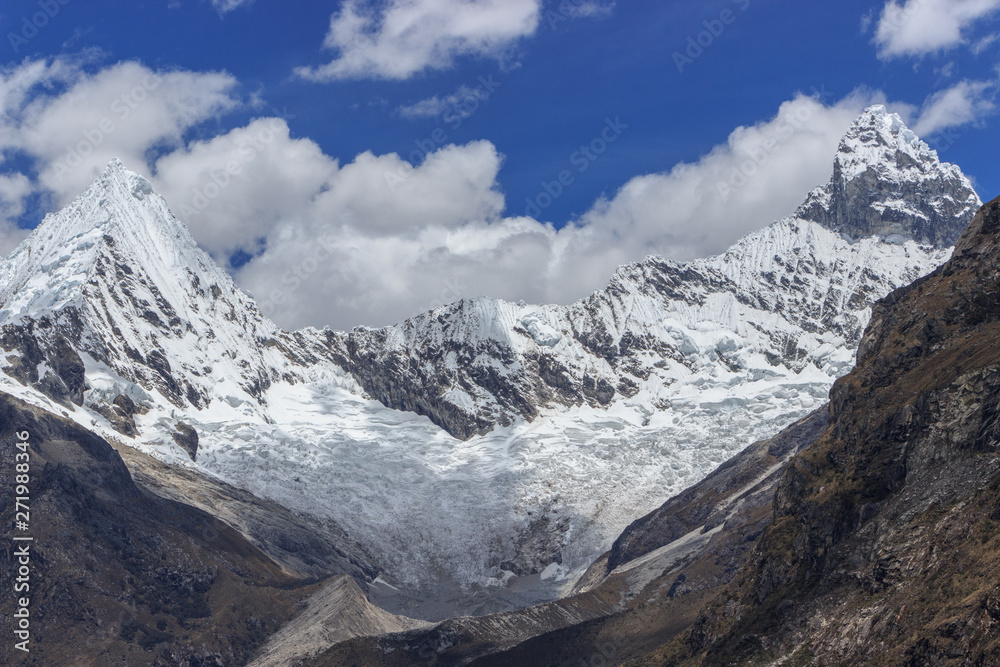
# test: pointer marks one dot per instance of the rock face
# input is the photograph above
(884, 537)
(888, 183)
(187, 438)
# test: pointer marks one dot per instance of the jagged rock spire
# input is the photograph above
(888, 183)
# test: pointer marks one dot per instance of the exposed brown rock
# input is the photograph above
(186, 438)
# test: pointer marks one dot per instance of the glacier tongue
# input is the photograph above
(483, 438)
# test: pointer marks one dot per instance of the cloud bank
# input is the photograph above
(966, 102)
(375, 239)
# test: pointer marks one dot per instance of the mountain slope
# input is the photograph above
(884, 535)
(571, 420)
(121, 576)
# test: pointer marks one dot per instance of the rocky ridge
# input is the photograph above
(792, 294)
(883, 539)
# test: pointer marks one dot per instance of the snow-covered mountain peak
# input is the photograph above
(120, 216)
(563, 422)
(888, 183)
(115, 275)
(878, 139)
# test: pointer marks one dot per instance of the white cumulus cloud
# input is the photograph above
(399, 38)
(73, 122)
(920, 27)
(965, 102)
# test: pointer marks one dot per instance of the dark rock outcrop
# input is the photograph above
(187, 439)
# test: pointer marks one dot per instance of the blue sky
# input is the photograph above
(483, 211)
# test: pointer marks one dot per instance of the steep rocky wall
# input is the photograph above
(885, 533)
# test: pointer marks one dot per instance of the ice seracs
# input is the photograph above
(484, 439)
